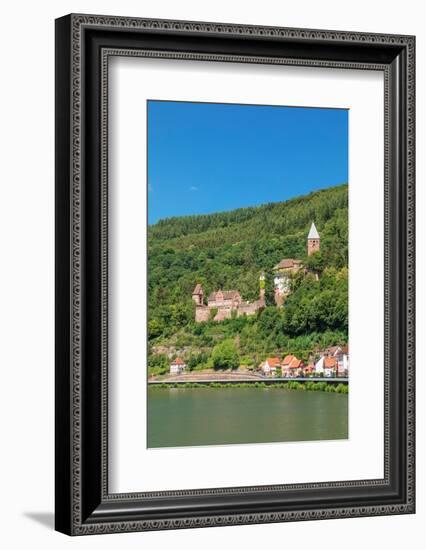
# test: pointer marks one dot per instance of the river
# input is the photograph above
(180, 417)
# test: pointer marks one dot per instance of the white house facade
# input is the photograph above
(177, 366)
(319, 366)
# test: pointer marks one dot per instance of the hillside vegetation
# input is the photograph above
(228, 250)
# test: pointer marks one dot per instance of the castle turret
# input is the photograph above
(313, 240)
(198, 295)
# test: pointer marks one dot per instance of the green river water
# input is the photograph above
(216, 416)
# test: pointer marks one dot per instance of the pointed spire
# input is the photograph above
(313, 233)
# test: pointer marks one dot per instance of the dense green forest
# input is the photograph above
(228, 250)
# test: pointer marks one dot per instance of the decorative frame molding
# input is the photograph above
(84, 44)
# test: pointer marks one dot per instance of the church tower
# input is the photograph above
(313, 240)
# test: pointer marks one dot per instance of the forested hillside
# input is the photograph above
(228, 250)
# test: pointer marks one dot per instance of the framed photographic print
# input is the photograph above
(234, 274)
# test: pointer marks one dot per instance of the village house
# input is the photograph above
(288, 267)
(330, 367)
(341, 355)
(292, 367)
(285, 364)
(333, 361)
(270, 366)
(295, 368)
(177, 366)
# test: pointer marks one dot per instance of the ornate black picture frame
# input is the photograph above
(84, 44)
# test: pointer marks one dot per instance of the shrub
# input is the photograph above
(225, 355)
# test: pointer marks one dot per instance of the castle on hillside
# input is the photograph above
(226, 303)
(288, 267)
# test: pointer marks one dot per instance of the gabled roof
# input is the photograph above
(178, 361)
(295, 363)
(287, 360)
(330, 362)
(288, 263)
(198, 289)
(313, 233)
(273, 361)
(320, 362)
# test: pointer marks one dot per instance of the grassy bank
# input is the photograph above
(290, 385)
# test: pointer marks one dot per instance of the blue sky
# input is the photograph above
(205, 157)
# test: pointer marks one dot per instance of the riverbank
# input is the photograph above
(335, 385)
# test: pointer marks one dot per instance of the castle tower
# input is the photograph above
(313, 240)
(262, 286)
(198, 295)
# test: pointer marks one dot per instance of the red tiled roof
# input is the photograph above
(273, 361)
(330, 362)
(288, 359)
(295, 363)
(178, 361)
